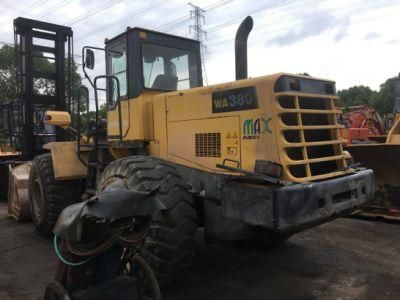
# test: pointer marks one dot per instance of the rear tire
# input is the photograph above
(169, 247)
(47, 196)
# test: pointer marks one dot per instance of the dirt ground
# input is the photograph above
(345, 259)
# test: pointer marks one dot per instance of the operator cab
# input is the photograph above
(152, 61)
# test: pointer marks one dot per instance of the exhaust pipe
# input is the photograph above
(241, 47)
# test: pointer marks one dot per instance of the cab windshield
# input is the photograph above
(167, 68)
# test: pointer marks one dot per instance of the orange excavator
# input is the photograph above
(362, 124)
(368, 143)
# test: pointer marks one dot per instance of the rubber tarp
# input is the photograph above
(116, 202)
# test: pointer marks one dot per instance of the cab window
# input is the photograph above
(167, 68)
(116, 59)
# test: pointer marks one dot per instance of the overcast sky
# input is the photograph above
(352, 42)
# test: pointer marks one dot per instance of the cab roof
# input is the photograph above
(140, 29)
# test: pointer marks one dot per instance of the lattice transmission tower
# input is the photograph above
(197, 14)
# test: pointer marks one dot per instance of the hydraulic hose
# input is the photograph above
(60, 257)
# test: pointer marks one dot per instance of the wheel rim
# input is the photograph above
(138, 267)
(37, 200)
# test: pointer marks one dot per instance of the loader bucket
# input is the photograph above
(384, 159)
(18, 200)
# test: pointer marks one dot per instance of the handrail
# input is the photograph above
(107, 77)
(78, 124)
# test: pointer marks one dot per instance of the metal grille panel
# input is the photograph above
(208, 144)
(310, 137)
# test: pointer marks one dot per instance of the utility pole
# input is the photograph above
(197, 14)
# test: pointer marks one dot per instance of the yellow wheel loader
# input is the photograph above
(255, 159)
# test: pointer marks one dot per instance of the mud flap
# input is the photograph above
(18, 201)
(114, 203)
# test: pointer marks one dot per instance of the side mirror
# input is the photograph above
(89, 59)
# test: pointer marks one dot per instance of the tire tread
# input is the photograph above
(169, 248)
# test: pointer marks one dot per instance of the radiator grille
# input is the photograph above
(208, 144)
(310, 135)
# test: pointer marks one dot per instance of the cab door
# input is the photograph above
(117, 92)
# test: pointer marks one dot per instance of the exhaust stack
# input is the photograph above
(241, 47)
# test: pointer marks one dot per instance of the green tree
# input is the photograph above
(357, 95)
(384, 100)
(8, 83)
(102, 112)
(7, 73)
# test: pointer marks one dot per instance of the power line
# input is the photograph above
(217, 5)
(53, 9)
(137, 12)
(282, 29)
(178, 21)
(255, 11)
(24, 12)
(197, 14)
(288, 12)
(32, 7)
(167, 26)
(133, 14)
(92, 13)
(172, 24)
(164, 27)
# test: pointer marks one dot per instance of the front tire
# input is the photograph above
(169, 247)
(47, 196)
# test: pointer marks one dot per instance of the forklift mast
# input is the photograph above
(44, 53)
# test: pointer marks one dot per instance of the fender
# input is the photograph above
(66, 163)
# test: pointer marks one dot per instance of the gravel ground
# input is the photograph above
(345, 259)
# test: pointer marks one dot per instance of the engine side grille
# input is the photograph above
(310, 137)
(208, 144)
